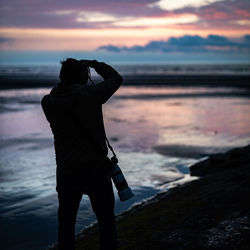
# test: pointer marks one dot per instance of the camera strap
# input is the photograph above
(87, 135)
(110, 147)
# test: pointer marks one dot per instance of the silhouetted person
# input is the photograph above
(80, 167)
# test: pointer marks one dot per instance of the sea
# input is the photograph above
(158, 132)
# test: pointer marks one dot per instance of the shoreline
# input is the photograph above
(211, 212)
(188, 80)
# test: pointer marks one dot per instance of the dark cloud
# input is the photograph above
(187, 43)
(247, 38)
(5, 40)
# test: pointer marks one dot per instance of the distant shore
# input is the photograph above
(211, 80)
(212, 212)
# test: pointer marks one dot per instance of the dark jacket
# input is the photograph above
(74, 153)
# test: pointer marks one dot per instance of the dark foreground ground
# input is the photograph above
(212, 212)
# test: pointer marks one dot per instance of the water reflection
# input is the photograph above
(158, 132)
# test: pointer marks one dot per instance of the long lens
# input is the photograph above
(124, 191)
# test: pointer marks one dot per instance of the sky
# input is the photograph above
(126, 26)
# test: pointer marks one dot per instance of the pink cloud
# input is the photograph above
(243, 13)
(64, 13)
(220, 17)
(212, 15)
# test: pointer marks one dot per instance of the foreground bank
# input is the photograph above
(209, 213)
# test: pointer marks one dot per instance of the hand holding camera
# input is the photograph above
(88, 63)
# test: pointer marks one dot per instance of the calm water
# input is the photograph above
(160, 69)
(158, 132)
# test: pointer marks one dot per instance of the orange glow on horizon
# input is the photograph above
(90, 39)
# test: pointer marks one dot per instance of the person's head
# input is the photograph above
(73, 72)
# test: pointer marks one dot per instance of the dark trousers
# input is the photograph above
(102, 201)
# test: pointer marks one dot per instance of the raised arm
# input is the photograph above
(105, 89)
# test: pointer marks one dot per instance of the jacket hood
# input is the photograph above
(62, 97)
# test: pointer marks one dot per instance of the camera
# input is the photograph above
(86, 64)
(124, 191)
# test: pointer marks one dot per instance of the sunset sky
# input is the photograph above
(86, 25)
